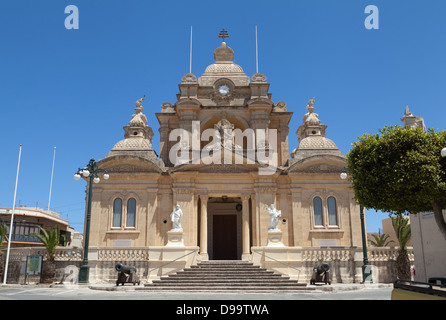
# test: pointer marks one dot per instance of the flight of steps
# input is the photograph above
(225, 275)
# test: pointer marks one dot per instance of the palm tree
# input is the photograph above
(403, 232)
(3, 232)
(380, 240)
(50, 240)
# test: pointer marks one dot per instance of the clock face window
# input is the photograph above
(223, 89)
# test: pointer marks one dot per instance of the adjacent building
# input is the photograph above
(27, 221)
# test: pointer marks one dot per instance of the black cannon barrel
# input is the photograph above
(125, 269)
(323, 268)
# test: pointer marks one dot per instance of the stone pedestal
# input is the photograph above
(275, 238)
(175, 238)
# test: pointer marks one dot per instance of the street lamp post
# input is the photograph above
(443, 152)
(90, 171)
(366, 268)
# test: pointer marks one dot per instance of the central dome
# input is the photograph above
(224, 67)
(223, 56)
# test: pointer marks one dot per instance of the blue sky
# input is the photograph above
(76, 89)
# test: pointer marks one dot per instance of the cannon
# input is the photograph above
(127, 274)
(321, 273)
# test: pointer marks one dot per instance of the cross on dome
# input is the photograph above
(223, 34)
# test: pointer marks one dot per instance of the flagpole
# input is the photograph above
(51, 183)
(11, 227)
(190, 62)
(257, 54)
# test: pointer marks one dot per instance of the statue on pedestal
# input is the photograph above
(274, 216)
(175, 217)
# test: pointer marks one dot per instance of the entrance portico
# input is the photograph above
(224, 230)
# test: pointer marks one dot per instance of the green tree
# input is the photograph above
(403, 232)
(400, 171)
(380, 240)
(3, 232)
(50, 240)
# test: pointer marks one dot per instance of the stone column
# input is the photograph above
(246, 250)
(164, 141)
(204, 227)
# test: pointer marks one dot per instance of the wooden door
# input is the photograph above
(225, 237)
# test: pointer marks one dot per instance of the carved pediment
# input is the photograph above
(187, 102)
(328, 164)
(128, 168)
(318, 168)
(226, 168)
(131, 164)
(217, 168)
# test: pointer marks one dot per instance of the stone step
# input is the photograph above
(225, 275)
(228, 280)
(227, 288)
(226, 284)
(230, 277)
(232, 271)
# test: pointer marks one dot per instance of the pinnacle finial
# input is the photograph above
(310, 107)
(223, 34)
(139, 104)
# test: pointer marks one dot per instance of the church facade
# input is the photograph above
(224, 162)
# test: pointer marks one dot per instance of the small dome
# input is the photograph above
(223, 53)
(224, 68)
(133, 144)
(223, 56)
(316, 142)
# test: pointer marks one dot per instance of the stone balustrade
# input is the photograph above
(122, 254)
(297, 262)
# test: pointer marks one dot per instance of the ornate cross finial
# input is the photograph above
(223, 34)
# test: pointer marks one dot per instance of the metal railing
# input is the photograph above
(167, 263)
(285, 264)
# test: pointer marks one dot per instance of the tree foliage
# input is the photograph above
(50, 240)
(403, 232)
(400, 171)
(380, 240)
(3, 233)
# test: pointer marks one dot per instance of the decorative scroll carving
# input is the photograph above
(280, 107)
(167, 107)
(189, 78)
(258, 77)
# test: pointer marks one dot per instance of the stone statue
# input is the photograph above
(274, 218)
(175, 217)
(311, 103)
(139, 102)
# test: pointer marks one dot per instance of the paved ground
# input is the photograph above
(177, 305)
(128, 292)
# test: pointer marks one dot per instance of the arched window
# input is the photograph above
(117, 212)
(131, 212)
(332, 212)
(317, 205)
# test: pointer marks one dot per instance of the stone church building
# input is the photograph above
(213, 143)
